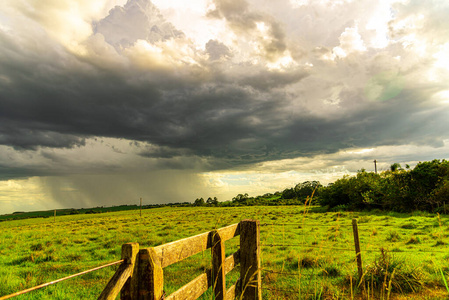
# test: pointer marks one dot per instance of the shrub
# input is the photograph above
(393, 236)
(386, 271)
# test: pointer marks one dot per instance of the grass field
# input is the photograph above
(304, 255)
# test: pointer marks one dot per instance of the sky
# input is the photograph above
(103, 102)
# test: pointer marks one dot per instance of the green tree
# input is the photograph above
(289, 194)
(240, 198)
(355, 192)
(307, 189)
(395, 167)
(212, 202)
(336, 193)
(199, 202)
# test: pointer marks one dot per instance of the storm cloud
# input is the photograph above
(275, 81)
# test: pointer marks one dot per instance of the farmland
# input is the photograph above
(305, 255)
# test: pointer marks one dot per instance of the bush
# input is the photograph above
(386, 271)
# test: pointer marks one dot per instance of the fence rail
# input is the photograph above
(141, 275)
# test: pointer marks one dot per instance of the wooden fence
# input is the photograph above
(141, 275)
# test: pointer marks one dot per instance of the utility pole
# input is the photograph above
(141, 207)
(375, 166)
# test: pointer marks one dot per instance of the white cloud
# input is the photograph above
(442, 97)
(69, 22)
(190, 18)
(350, 42)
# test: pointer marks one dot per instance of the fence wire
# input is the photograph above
(316, 273)
(350, 250)
(61, 279)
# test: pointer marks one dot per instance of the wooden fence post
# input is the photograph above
(129, 253)
(357, 248)
(218, 271)
(122, 278)
(151, 276)
(251, 284)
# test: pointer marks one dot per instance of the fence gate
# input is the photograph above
(141, 275)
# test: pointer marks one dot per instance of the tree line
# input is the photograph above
(296, 195)
(424, 187)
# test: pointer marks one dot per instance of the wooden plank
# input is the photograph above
(230, 293)
(193, 289)
(123, 274)
(218, 271)
(150, 275)
(231, 261)
(199, 285)
(116, 283)
(176, 251)
(130, 290)
(250, 260)
(233, 290)
(229, 232)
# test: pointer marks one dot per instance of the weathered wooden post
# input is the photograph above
(129, 253)
(251, 283)
(218, 272)
(150, 274)
(122, 279)
(357, 248)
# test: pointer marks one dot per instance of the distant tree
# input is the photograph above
(395, 167)
(212, 202)
(240, 198)
(337, 193)
(199, 202)
(288, 194)
(307, 189)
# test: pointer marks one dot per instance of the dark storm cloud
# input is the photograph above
(230, 113)
(10, 172)
(15, 135)
(238, 121)
(51, 106)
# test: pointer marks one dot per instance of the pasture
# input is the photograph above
(305, 254)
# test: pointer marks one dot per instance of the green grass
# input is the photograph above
(304, 256)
